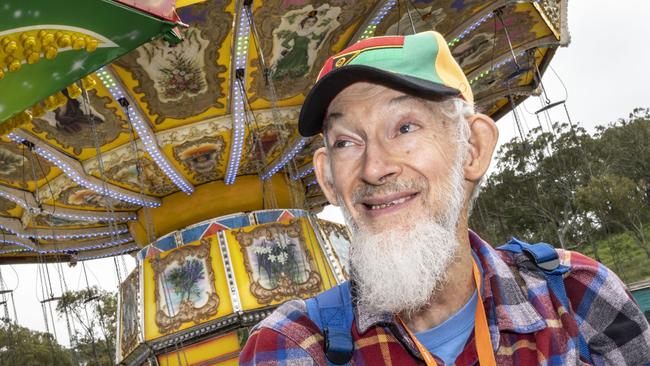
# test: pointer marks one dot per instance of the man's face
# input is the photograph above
(390, 154)
(394, 163)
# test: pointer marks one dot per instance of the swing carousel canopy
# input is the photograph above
(115, 135)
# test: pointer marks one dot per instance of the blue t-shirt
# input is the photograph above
(448, 339)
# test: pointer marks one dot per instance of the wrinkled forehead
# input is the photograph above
(362, 94)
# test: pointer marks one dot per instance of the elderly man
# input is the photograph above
(404, 157)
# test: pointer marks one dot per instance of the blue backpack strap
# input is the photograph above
(545, 258)
(332, 312)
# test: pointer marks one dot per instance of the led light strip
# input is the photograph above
(11, 251)
(14, 226)
(372, 26)
(73, 169)
(147, 136)
(383, 11)
(492, 9)
(470, 29)
(303, 172)
(14, 242)
(230, 273)
(17, 200)
(238, 111)
(116, 217)
(281, 161)
(327, 249)
(104, 244)
(497, 65)
(28, 202)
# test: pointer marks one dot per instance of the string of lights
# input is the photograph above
(85, 246)
(303, 172)
(283, 159)
(372, 25)
(14, 226)
(238, 108)
(146, 134)
(73, 169)
(27, 201)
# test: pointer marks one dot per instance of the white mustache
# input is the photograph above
(366, 191)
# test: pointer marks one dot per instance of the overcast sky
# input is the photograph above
(605, 70)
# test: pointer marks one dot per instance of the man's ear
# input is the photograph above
(482, 141)
(323, 172)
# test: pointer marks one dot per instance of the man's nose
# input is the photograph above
(379, 164)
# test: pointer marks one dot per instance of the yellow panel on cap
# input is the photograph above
(449, 71)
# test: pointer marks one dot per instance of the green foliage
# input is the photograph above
(585, 192)
(21, 346)
(620, 253)
(93, 314)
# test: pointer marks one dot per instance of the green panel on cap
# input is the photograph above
(416, 58)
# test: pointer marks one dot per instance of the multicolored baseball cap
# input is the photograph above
(420, 64)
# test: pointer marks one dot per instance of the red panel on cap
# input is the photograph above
(375, 42)
(326, 68)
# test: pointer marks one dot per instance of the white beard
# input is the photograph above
(400, 269)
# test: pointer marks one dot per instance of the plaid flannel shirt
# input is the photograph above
(528, 324)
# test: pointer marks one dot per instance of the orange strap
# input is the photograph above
(481, 331)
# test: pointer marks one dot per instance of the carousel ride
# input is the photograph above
(168, 130)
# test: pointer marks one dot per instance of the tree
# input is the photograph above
(21, 346)
(95, 311)
(531, 192)
(570, 188)
(619, 205)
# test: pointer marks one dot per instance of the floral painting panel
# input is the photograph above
(273, 258)
(278, 263)
(184, 282)
(185, 287)
(179, 81)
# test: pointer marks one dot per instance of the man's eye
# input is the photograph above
(407, 127)
(341, 143)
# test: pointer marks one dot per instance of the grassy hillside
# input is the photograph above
(622, 255)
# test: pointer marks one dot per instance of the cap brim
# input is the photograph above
(326, 89)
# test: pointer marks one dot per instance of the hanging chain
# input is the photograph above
(281, 128)
(149, 229)
(112, 224)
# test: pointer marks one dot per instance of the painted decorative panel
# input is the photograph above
(184, 287)
(277, 262)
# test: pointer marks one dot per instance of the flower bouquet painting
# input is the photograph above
(185, 289)
(278, 264)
